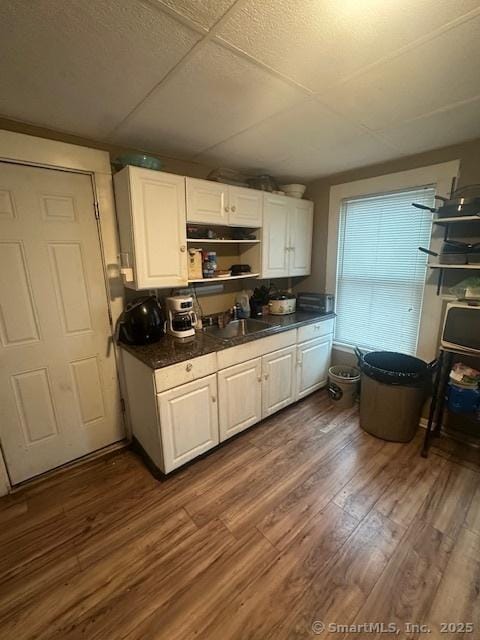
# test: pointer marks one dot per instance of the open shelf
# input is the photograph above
(219, 241)
(454, 219)
(454, 266)
(225, 279)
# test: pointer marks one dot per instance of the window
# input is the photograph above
(380, 272)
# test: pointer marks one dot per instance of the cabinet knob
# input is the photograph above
(214, 399)
(183, 248)
(233, 208)
(259, 378)
(227, 209)
(189, 366)
(266, 376)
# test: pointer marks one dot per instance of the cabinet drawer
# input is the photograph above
(256, 348)
(178, 374)
(316, 330)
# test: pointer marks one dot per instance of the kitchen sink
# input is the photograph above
(237, 328)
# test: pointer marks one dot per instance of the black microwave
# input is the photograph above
(461, 327)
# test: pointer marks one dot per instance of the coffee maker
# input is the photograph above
(181, 319)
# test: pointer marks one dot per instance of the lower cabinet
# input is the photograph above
(240, 393)
(189, 421)
(181, 411)
(278, 388)
(313, 361)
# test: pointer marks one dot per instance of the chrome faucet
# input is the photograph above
(235, 311)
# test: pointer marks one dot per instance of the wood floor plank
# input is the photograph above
(458, 597)
(196, 605)
(146, 587)
(285, 519)
(410, 487)
(472, 520)
(234, 499)
(260, 610)
(248, 509)
(370, 483)
(447, 505)
(168, 549)
(340, 588)
(406, 589)
(303, 517)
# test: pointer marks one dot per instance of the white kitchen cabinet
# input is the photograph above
(207, 201)
(210, 202)
(152, 224)
(300, 233)
(240, 397)
(313, 362)
(189, 421)
(278, 387)
(286, 237)
(245, 207)
(275, 236)
(173, 409)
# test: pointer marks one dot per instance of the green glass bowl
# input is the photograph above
(139, 160)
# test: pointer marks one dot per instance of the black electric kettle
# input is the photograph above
(142, 322)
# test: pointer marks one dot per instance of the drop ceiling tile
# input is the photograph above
(440, 72)
(213, 96)
(438, 129)
(319, 42)
(82, 67)
(204, 12)
(314, 163)
(306, 141)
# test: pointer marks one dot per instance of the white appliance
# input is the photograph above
(181, 319)
(282, 304)
(461, 327)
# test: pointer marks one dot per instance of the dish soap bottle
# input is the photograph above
(242, 299)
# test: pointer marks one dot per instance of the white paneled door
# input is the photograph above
(59, 395)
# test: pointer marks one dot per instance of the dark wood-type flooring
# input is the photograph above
(302, 518)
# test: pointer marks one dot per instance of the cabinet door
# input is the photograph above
(275, 240)
(207, 201)
(246, 207)
(313, 361)
(188, 421)
(278, 389)
(301, 229)
(158, 225)
(240, 397)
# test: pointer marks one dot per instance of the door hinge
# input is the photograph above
(122, 405)
(97, 210)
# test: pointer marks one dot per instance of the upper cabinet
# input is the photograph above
(211, 202)
(286, 236)
(153, 208)
(275, 238)
(207, 202)
(152, 225)
(245, 207)
(300, 233)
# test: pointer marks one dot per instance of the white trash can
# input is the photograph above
(343, 385)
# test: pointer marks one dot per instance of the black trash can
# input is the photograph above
(393, 389)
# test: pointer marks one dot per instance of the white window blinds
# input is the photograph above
(380, 272)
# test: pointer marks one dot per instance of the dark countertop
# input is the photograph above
(169, 350)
